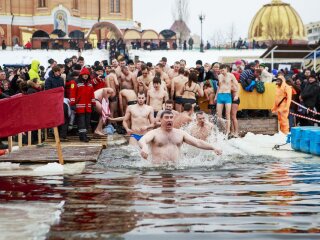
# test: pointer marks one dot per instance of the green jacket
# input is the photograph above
(33, 72)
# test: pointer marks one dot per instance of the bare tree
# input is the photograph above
(231, 33)
(218, 39)
(180, 10)
(180, 14)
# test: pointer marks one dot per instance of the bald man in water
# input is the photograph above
(165, 142)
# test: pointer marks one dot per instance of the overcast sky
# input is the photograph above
(157, 14)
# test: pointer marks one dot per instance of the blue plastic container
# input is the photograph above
(305, 138)
(315, 143)
(295, 138)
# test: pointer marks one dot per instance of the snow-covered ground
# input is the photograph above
(26, 56)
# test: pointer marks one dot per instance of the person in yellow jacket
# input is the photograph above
(282, 103)
(34, 71)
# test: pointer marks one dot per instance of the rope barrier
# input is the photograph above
(304, 107)
(301, 116)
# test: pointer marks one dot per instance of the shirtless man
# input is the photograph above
(177, 85)
(141, 118)
(112, 82)
(123, 63)
(144, 80)
(102, 95)
(163, 76)
(116, 67)
(127, 97)
(132, 68)
(210, 96)
(126, 79)
(175, 71)
(165, 142)
(202, 129)
(168, 106)
(185, 117)
(156, 96)
(223, 96)
(183, 64)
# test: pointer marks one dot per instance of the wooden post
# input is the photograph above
(20, 140)
(39, 136)
(45, 134)
(10, 144)
(29, 139)
(59, 150)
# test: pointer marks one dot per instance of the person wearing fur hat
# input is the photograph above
(83, 98)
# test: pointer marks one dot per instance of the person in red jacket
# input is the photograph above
(82, 96)
(99, 80)
(71, 84)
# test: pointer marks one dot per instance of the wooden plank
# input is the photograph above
(10, 144)
(59, 150)
(48, 154)
(29, 138)
(39, 136)
(20, 140)
(45, 134)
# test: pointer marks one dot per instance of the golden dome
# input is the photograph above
(276, 22)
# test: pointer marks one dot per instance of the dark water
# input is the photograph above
(237, 197)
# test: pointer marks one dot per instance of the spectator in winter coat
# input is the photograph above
(309, 97)
(34, 70)
(54, 80)
(265, 75)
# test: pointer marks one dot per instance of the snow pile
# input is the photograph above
(191, 57)
(50, 168)
(90, 56)
(28, 220)
(258, 144)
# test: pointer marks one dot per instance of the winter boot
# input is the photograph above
(83, 137)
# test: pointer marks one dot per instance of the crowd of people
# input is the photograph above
(130, 97)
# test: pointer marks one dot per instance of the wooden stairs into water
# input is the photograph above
(73, 151)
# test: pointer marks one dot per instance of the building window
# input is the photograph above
(42, 3)
(115, 6)
(75, 4)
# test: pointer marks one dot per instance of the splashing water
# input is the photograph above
(235, 151)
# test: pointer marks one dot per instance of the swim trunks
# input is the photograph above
(155, 113)
(188, 100)
(136, 136)
(132, 103)
(236, 102)
(178, 100)
(114, 99)
(224, 98)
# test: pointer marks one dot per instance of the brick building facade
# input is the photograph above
(20, 19)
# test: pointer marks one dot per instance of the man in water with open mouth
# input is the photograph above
(166, 141)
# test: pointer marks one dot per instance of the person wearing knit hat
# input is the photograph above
(265, 75)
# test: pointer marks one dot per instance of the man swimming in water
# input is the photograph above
(141, 118)
(203, 128)
(165, 142)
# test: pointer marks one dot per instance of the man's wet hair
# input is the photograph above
(165, 112)
(199, 113)
(169, 101)
(187, 107)
(156, 80)
(141, 93)
(181, 70)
